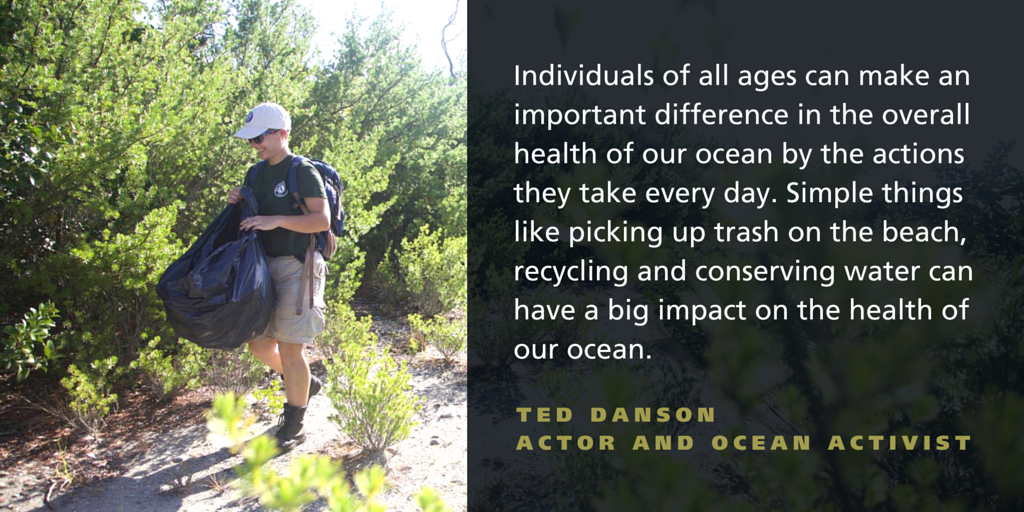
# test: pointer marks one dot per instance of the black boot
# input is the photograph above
(314, 385)
(290, 433)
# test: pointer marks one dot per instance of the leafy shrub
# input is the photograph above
(306, 478)
(388, 284)
(91, 398)
(227, 422)
(107, 287)
(28, 345)
(344, 328)
(435, 271)
(102, 131)
(167, 375)
(233, 371)
(453, 211)
(272, 396)
(448, 337)
(417, 342)
(370, 394)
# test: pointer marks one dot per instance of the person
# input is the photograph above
(284, 232)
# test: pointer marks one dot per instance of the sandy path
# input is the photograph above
(434, 455)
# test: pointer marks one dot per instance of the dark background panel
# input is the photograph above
(782, 378)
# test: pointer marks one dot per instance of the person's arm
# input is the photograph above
(315, 221)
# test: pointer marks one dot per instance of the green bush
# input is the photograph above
(114, 120)
(434, 268)
(449, 338)
(370, 395)
(27, 345)
(308, 476)
(388, 285)
(107, 287)
(233, 371)
(227, 422)
(91, 398)
(272, 396)
(344, 328)
(167, 375)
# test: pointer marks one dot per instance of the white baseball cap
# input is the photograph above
(263, 117)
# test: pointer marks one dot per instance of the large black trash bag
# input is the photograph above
(220, 294)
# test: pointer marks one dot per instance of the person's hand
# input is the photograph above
(261, 223)
(235, 195)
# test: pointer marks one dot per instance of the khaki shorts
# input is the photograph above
(285, 326)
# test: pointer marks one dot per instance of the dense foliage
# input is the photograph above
(116, 150)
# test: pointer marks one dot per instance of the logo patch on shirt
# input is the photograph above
(280, 190)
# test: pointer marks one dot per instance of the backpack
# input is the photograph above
(326, 241)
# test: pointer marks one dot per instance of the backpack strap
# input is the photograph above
(293, 180)
(310, 262)
(250, 177)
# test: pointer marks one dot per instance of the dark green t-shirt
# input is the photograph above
(271, 190)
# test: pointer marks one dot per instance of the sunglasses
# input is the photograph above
(259, 138)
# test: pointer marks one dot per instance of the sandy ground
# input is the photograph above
(434, 455)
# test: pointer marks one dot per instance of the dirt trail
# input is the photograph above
(434, 455)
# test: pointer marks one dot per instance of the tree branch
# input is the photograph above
(444, 42)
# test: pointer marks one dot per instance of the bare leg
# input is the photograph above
(296, 373)
(265, 349)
